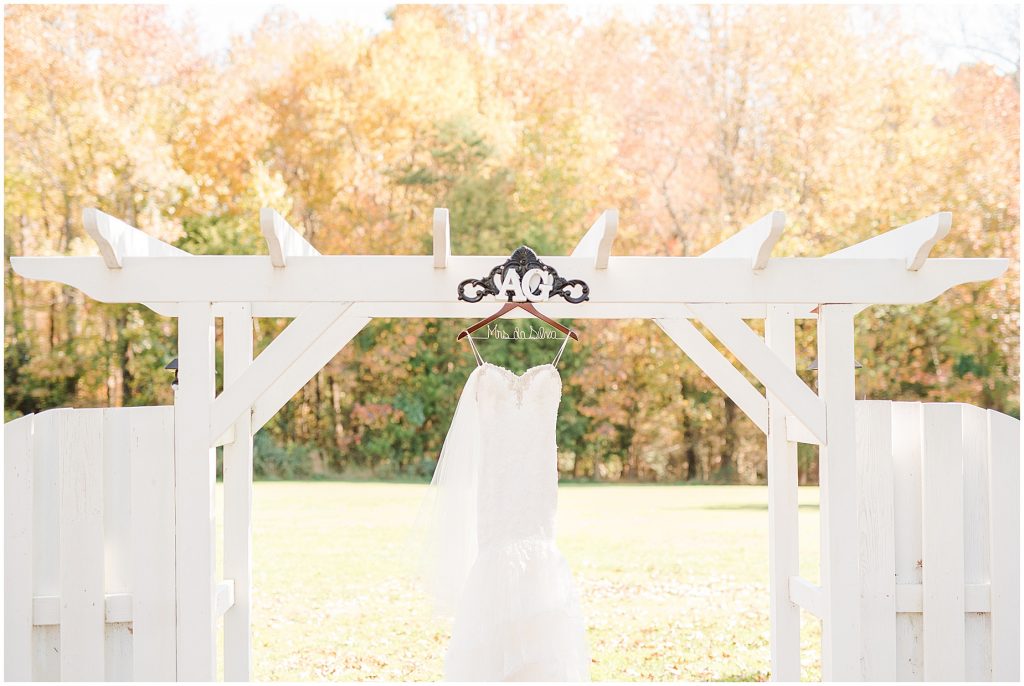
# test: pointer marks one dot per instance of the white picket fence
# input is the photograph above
(939, 521)
(89, 545)
(89, 583)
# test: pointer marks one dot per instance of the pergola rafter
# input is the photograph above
(332, 297)
(756, 241)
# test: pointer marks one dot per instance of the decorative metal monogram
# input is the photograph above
(523, 277)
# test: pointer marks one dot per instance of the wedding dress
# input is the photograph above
(492, 560)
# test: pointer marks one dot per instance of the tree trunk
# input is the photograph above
(727, 465)
(691, 461)
(124, 356)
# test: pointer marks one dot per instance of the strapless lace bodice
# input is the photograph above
(518, 484)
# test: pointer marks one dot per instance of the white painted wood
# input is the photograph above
(225, 597)
(913, 242)
(977, 627)
(283, 241)
(841, 626)
(117, 609)
(117, 240)
(225, 438)
(463, 310)
(555, 309)
(194, 466)
(293, 377)
(289, 346)
(117, 655)
(798, 433)
(116, 441)
(807, 596)
(18, 572)
(754, 242)
(783, 509)
(910, 598)
(1004, 503)
(943, 541)
(877, 539)
(80, 448)
(46, 610)
(751, 350)
(906, 465)
(151, 448)
(46, 538)
(718, 369)
(597, 241)
(383, 278)
(811, 312)
(442, 238)
(238, 455)
(164, 309)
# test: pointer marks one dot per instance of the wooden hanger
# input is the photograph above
(508, 307)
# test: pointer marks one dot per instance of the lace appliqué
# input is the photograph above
(520, 383)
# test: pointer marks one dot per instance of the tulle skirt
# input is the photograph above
(519, 618)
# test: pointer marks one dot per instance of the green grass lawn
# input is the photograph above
(673, 580)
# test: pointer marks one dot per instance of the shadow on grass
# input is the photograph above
(749, 507)
(745, 676)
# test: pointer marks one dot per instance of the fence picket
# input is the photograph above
(46, 540)
(116, 535)
(906, 465)
(977, 629)
(18, 549)
(876, 540)
(1004, 500)
(151, 449)
(82, 616)
(943, 541)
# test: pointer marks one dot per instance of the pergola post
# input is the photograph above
(238, 456)
(194, 479)
(783, 524)
(840, 563)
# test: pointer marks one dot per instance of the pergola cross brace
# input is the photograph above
(261, 375)
(749, 348)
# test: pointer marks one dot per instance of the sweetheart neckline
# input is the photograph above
(518, 376)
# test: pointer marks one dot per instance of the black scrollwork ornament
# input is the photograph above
(524, 277)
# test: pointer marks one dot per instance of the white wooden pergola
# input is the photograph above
(332, 297)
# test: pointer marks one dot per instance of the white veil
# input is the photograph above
(447, 522)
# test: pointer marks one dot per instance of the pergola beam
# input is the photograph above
(755, 242)
(398, 278)
(597, 241)
(464, 310)
(283, 241)
(912, 242)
